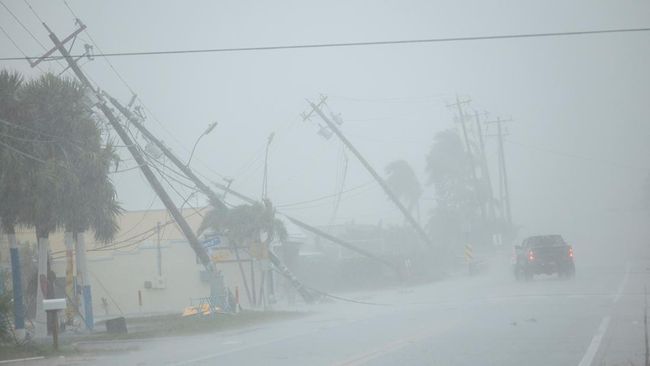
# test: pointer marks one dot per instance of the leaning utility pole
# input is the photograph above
(503, 174)
(265, 187)
(484, 165)
(212, 196)
(332, 126)
(227, 189)
(470, 156)
(133, 149)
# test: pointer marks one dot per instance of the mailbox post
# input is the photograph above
(53, 306)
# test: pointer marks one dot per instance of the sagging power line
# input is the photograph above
(344, 44)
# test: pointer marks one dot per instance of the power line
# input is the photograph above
(92, 40)
(125, 170)
(27, 29)
(34, 12)
(300, 203)
(129, 243)
(27, 129)
(573, 156)
(144, 216)
(24, 139)
(27, 155)
(16, 44)
(22, 24)
(57, 138)
(422, 99)
(352, 44)
(132, 91)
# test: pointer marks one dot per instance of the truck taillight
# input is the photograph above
(531, 255)
(570, 252)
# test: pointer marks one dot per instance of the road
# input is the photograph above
(594, 319)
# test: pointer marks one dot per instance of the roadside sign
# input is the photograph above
(469, 253)
(211, 243)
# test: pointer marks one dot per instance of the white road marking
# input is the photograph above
(22, 360)
(588, 358)
(621, 287)
(231, 342)
(238, 349)
(385, 349)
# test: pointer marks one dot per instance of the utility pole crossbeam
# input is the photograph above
(332, 126)
(137, 155)
(47, 54)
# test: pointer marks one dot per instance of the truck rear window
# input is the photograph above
(546, 241)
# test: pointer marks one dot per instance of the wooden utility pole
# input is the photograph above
(158, 250)
(486, 169)
(133, 149)
(265, 182)
(332, 126)
(470, 156)
(503, 173)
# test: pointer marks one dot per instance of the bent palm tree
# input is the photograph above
(245, 225)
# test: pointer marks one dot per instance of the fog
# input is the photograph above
(576, 152)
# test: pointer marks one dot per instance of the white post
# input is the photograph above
(84, 281)
(41, 288)
(69, 276)
(16, 271)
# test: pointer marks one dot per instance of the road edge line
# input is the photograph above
(588, 357)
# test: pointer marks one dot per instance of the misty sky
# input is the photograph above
(578, 147)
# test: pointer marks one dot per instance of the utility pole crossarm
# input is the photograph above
(47, 54)
(371, 170)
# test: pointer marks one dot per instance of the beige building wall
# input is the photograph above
(118, 270)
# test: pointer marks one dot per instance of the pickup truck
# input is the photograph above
(543, 254)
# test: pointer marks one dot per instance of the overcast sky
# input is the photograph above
(577, 149)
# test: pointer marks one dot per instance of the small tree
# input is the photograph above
(457, 206)
(403, 182)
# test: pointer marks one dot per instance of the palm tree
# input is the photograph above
(71, 189)
(404, 183)
(54, 170)
(252, 225)
(11, 186)
(89, 202)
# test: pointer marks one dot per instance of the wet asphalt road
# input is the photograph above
(491, 319)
